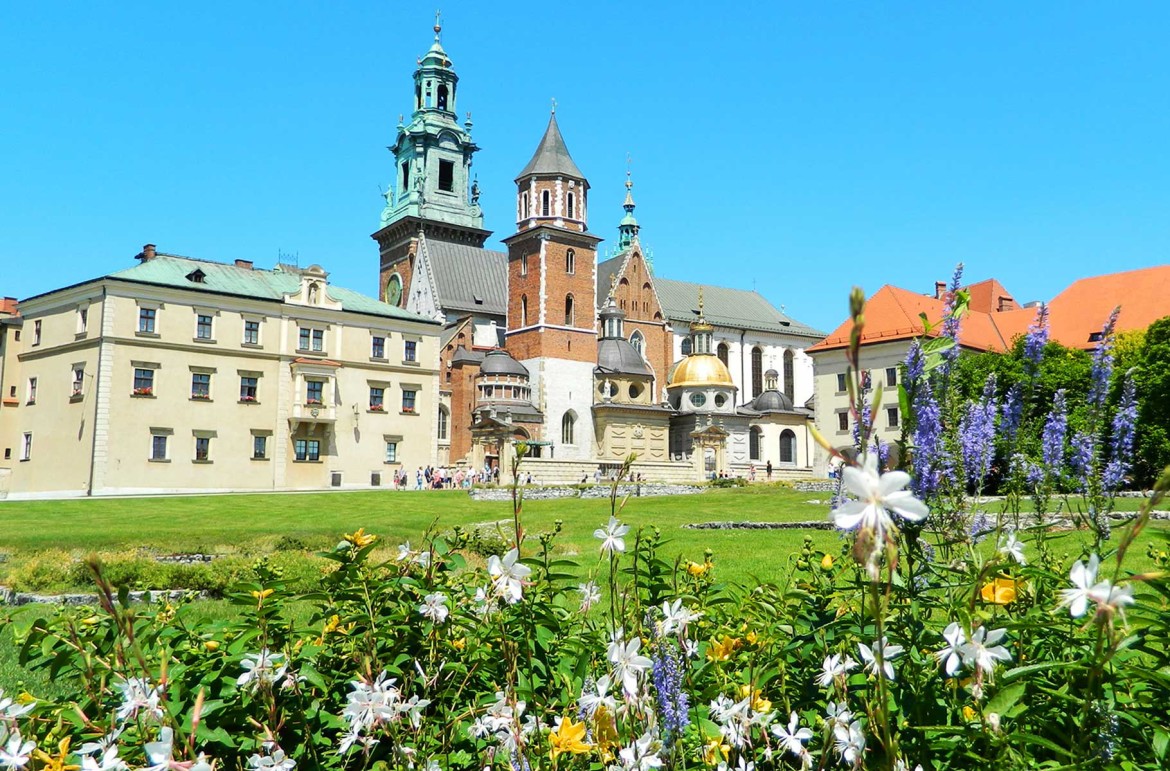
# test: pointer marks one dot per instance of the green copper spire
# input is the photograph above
(628, 227)
(433, 151)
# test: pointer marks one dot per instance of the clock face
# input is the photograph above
(394, 290)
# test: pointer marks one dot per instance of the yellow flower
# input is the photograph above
(715, 752)
(759, 703)
(752, 638)
(721, 650)
(459, 644)
(567, 737)
(695, 569)
(969, 713)
(331, 625)
(211, 645)
(360, 539)
(263, 595)
(56, 762)
(1001, 591)
(605, 732)
(827, 561)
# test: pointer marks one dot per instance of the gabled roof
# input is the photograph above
(551, 156)
(1084, 307)
(725, 307)
(220, 278)
(468, 278)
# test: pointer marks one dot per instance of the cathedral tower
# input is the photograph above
(552, 280)
(432, 192)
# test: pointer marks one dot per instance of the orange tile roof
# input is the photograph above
(1083, 308)
(986, 296)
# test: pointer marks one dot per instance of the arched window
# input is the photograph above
(757, 371)
(754, 443)
(567, 427)
(686, 346)
(524, 206)
(788, 447)
(569, 213)
(523, 310)
(544, 204)
(721, 352)
(568, 310)
(442, 97)
(570, 262)
(443, 417)
(638, 342)
(789, 375)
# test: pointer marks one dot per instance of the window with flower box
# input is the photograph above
(377, 399)
(408, 401)
(143, 381)
(314, 392)
(249, 387)
(201, 386)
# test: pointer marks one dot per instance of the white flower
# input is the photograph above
(261, 668)
(508, 575)
(741, 765)
(12, 709)
(877, 496)
(835, 666)
(951, 657)
(982, 651)
(793, 737)
(838, 715)
(433, 765)
(676, 617)
(1110, 598)
(883, 650)
(158, 753)
(612, 536)
(17, 752)
(404, 552)
(202, 763)
(628, 664)
(849, 743)
(642, 755)
(591, 701)
(138, 695)
(276, 761)
(109, 761)
(434, 607)
(691, 648)
(590, 595)
(1012, 547)
(1083, 577)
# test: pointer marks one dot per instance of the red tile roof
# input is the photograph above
(1084, 307)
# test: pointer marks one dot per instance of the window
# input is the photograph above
(720, 400)
(721, 351)
(788, 447)
(523, 310)
(567, 423)
(202, 327)
(146, 319)
(570, 262)
(568, 310)
(569, 212)
(259, 447)
(698, 400)
(686, 346)
(638, 342)
(200, 385)
(842, 421)
(314, 391)
(202, 449)
(311, 339)
(391, 452)
(524, 210)
(840, 382)
(251, 332)
(443, 420)
(32, 391)
(143, 382)
(408, 400)
(37, 332)
(891, 376)
(754, 443)
(158, 447)
(441, 103)
(405, 177)
(892, 417)
(409, 350)
(248, 388)
(78, 381)
(446, 174)
(378, 347)
(524, 265)
(789, 375)
(26, 447)
(82, 320)
(377, 399)
(757, 371)
(544, 204)
(307, 449)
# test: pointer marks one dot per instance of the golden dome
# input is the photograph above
(699, 369)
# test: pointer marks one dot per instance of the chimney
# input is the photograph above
(940, 290)
(246, 264)
(8, 305)
(146, 254)
(1006, 303)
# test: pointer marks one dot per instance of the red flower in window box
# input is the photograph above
(408, 410)
(377, 408)
(148, 391)
(76, 392)
(312, 402)
(247, 398)
(201, 396)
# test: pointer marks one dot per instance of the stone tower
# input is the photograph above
(552, 279)
(432, 192)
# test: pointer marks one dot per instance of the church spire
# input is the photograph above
(551, 189)
(628, 227)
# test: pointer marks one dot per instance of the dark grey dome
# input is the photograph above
(771, 373)
(618, 356)
(771, 401)
(498, 362)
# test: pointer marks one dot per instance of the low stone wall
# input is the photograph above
(9, 597)
(816, 486)
(819, 524)
(645, 489)
(551, 471)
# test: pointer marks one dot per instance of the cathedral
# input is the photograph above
(583, 356)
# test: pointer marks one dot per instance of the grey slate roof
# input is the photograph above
(619, 357)
(468, 278)
(499, 362)
(552, 157)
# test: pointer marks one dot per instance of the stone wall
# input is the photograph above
(554, 471)
(645, 489)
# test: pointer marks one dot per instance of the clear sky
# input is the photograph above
(799, 148)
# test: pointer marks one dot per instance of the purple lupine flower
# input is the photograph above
(915, 365)
(951, 322)
(1055, 430)
(1036, 340)
(1102, 363)
(927, 439)
(977, 434)
(980, 526)
(672, 700)
(883, 453)
(1121, 438)
(1084, 448)
(1013, 412)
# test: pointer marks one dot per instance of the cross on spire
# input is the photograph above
(554, 105)
(438, 24)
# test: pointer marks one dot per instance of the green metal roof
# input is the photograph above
(273, 285)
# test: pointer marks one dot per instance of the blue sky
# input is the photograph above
(799, 148)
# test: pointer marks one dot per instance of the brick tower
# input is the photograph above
(552, 281)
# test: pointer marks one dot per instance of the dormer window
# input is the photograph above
(196, 276)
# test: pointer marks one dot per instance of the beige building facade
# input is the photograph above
(180, 375)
